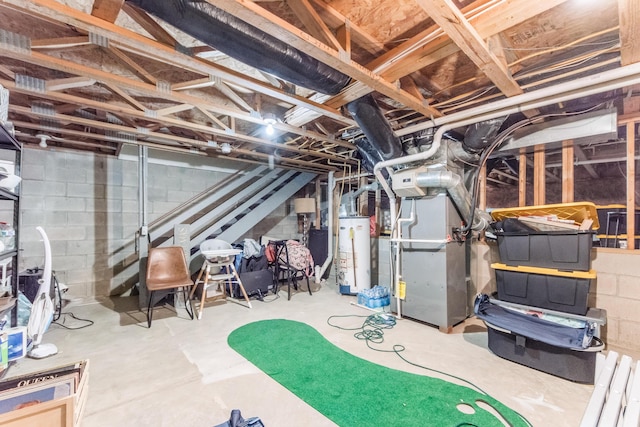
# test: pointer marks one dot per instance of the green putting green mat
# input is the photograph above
(354, 392)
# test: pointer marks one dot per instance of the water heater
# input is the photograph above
(354, 254)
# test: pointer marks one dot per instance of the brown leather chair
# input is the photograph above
(167, 271)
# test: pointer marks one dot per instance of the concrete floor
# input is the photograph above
(181, 372)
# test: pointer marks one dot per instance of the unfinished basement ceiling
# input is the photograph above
(98, 74)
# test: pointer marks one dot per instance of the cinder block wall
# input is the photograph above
(88, 205)
(616, 289)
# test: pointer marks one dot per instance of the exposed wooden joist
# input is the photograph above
(124, 95)
(271, 79)
(522, 178)
(335, 19)
(539, 181)
(149, 24)
(581, 155)
(629, 15)
(213, 118)
(631, 185)
(234, 97)
(482, 189)
(431, 45)
(195, 84)
(60, 42)
(7, 72)
(116, 82)
(107, 9)
(567, 172)
(68, 83)
(282, 30)
(132, 65)
(504, 174)
(313, 23)
(496, 181)
(135, 43)
(157, 135)
(173, 109)
(410, 86)
(343, 34)
(453, 22)
(67, 108)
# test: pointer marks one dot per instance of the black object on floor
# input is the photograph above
(236, 420)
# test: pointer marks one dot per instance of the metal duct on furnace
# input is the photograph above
(246, 43)
(457, 191)
(374, 125)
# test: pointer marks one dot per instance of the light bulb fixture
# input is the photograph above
(269, 129)
(270, 120)
(225, 147)
(43, 140)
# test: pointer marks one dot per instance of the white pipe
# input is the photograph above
(434, 241)
(330, 184)
(596, 83)
(351, 177)
(398, 276)
(592, 161)
(607, 80)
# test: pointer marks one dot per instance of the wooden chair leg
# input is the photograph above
(203, 297)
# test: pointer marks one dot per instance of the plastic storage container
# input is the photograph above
(545, 288)
(7, 237)
(553, 249)
(567, 351)
(574, 365)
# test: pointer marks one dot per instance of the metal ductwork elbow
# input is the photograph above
(458, 193)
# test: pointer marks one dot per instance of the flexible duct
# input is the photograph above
(374, 125)
(246, 43)
(478, 136)
(370, 156)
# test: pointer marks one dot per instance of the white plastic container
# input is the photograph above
(7, 237)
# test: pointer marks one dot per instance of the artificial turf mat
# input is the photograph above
(354, 392)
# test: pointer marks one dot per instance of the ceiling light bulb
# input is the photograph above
(269, 118)
(43, 140)
(225, 147)
(269, 129)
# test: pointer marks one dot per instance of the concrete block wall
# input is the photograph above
(88, 205)
(617, 290)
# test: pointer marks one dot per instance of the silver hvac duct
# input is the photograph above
(453, 184)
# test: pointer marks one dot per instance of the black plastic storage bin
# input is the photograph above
(545, 288)
(562, 250)
(574, 365)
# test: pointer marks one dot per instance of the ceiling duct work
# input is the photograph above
(380, 140)
(246, 43)
(478, 136)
